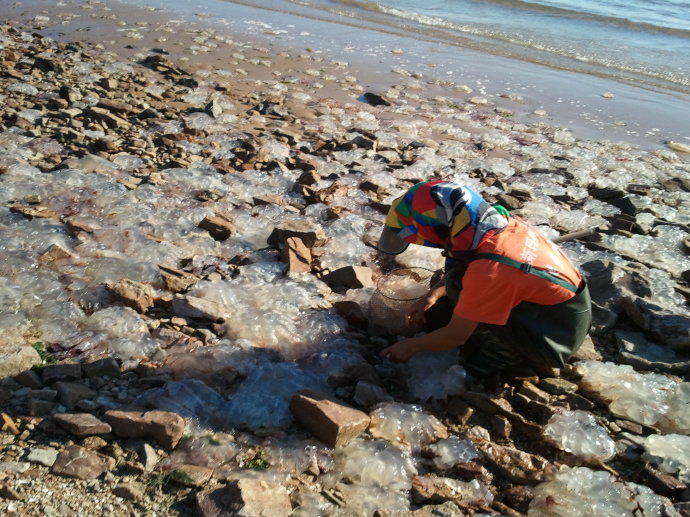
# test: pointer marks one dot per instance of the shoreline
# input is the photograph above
(591, 108)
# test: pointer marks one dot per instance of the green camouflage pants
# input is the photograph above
(538, 335)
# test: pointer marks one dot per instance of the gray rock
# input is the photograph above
(61, 372)
(188, 306)
(637, 351)
(81, 463)
(16, 358)
(106, 367)
(42, 456)
(30, 379)
(666, 327)
(246, 498)
(70, 393)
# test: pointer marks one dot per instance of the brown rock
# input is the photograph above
(329, 420)
(304, 230)
(7, 424)
(662, 483)
(81, 424)
(219, 227)
(557, 386)
(518, 466)
(501, 425)
(77, 462)
(115, 106)
(35, 212)
(530, 390)
(75, 227)
(129, 491)
(177, 281)
(70, 393)
(133, 294)
(351, 277)
(165, 427)
(246, 498)
(191, 475)
(447, 509)
(435, 489)
(52, 253)
(296, 255)
(106, 117)
(586, 352)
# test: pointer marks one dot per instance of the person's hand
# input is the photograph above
(416, 315)
(401, 351)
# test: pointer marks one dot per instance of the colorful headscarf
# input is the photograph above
(445, 215)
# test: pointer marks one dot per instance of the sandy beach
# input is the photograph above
(187, 221)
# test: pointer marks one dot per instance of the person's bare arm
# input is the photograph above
(455, 334)
(415, 317)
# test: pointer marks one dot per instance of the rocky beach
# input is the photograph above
(187, 227)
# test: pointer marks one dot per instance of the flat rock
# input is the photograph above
(350, 277)
(81, 424)
(518, 466)
(447, 509)
(52, 253)
(296, 255)
(666, 327)
(163, 426)
(81, 463)
(106, 367)
(304, 230)
(70, 393)
(34, 212)
(61, 372)
(176, 280)
(43, 456)
(137, 295)
(557, 386)
(329, 420)
(436, 489)
(246, 498)
(218, 227)
(188, 306)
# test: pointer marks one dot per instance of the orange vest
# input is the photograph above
(491, 289)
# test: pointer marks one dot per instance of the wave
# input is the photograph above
(527, 6)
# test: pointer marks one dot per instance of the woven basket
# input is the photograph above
(395, 294)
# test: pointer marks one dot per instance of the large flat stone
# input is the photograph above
(329, 420)
(77, 462)
(163, 426)
(81, 424)
(245, 498)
